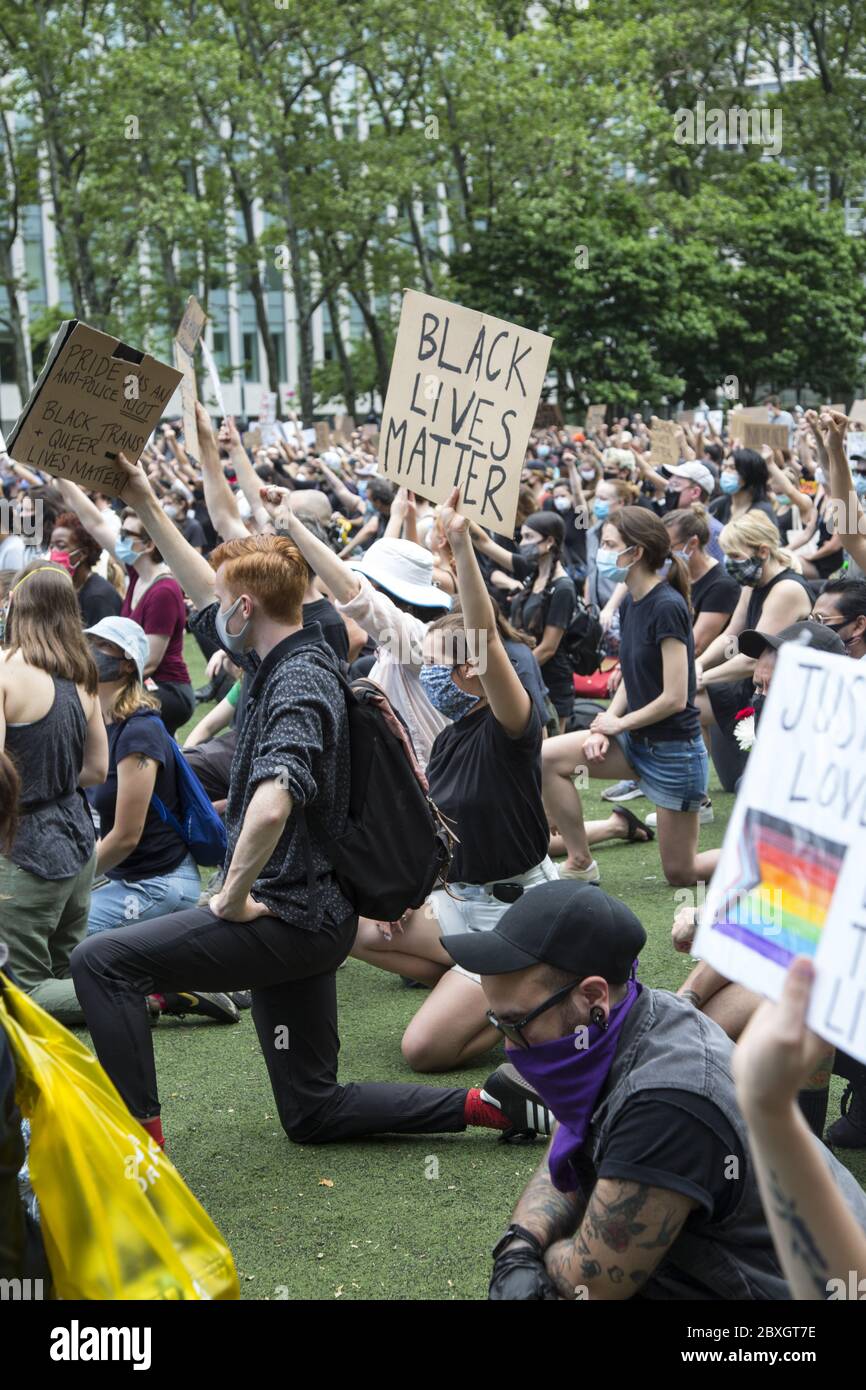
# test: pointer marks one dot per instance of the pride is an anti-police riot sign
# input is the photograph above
(462, 397)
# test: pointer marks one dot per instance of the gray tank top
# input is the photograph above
(55, 835)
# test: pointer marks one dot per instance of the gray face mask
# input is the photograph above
(233, 642)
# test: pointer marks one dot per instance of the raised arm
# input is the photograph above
(340, 581)
(88, 514)
(247, 476)
(189, 567)
(847, 512)
(352, 504)
(487, 546)
(218, 496)
(509, 701)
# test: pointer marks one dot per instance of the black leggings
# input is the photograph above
(291, 972)
(177, 703)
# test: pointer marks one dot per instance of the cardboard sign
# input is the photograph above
(213, 373)
(790, 878)
(252, 439)
(94, 398)
(857, 414)
(188, 396)
(664, 445)
(548, 416)
(462, 396)
(595, 416)
(191, 325)
(754, 434)
(323, 435)
(344, 427)
(686, 417)
(368, 430)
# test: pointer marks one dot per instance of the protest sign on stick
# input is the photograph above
(790, 878)
(188, 396)
(213, 373)
(595, 416)
(323, 435)
(462, 397)
(664, 446)
(191, 325)
(94, 398)
(252, 439)
(548, 416)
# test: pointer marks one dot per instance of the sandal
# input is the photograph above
(634, 825)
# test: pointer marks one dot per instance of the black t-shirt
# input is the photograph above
(680, 1141)
(644, 626)
(554, 607)
(721, 508)
(193, 533)
(489, 787)
(334, 630)
(715, 592)
(160, 850)
(98, 599)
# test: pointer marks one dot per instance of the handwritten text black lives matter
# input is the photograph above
(462, 413)
(80, 440)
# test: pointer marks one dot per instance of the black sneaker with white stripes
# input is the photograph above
(506, 1089)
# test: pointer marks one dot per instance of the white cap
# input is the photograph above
(127, 635)
(403, 569)
(696, 473)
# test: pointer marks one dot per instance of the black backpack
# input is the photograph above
(582, 640)
(396, 846)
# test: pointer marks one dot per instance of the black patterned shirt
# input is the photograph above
(295, 728)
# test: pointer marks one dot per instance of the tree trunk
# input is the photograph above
(361, 297)
(343, 357)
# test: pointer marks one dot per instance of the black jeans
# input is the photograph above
(177, 703)
(291, 972)
(211, 762)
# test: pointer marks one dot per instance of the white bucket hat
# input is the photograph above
(127, 635)
(403, 569)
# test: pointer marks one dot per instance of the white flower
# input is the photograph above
(744, 732)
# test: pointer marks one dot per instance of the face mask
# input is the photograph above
(530, 552)
(587, 474)
(444, 695)
(64, 558)
(543, 450)
(682, 555)
(607, 566)
(600, 509)
(562, 504)
(569, 1074)
(125, 552)
(860, 484)
(233, 642)
(171, 513)
(730, 482)
(746, 572)
(107, 667)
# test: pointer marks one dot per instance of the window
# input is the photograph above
(221, 351)
(251, 356)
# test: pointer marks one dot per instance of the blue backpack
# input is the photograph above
(199, 826)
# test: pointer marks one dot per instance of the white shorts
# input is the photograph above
(472, 907)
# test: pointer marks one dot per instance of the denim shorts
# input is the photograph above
(672, 773)
(472, 907)
(121, 901)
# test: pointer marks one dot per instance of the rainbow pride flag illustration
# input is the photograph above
(779, 900)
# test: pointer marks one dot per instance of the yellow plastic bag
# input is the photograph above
(117, 1218)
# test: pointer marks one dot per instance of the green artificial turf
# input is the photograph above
(401, 1218)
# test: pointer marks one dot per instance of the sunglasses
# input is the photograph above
(513, 1031)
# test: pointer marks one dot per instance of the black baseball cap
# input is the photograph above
(808, 634)
(573, 926)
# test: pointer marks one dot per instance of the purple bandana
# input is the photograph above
(569, 1079)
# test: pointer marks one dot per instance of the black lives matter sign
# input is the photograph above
(462, 397)
(95, 398)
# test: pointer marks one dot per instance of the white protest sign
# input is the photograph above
(790, 879)
(268, 408)
(855, 442)
(462, 397)
(213, 373)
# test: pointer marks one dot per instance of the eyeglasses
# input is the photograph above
(513, 1031)
(833, 627)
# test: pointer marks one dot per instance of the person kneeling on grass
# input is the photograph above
(148, 868)
(648, 1189)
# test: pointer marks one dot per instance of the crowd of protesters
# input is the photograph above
(296, 569)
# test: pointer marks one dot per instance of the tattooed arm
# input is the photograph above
(627, 1230)
(546, 1212)
(817, 1238)
(136, 778)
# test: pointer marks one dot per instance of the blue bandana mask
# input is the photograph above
(444, 695)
